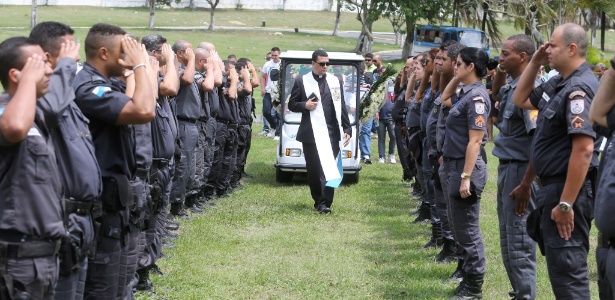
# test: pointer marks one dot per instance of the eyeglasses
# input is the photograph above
(322, 64)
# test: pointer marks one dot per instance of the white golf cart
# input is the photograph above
(289, 154)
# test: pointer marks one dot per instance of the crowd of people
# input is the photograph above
(98, 160)
(552, 129)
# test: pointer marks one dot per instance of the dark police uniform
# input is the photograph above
(31, 212)
(564, 111)
(230, 152)
(398, 114)
(102, 103)
(470, 112)
(244, 133)
(188, 110)
(209, 190)
(205, 114)
(79, 173)
(516, 127)
(223, 118)
(427, 169)
(604, 211)
(413, 125)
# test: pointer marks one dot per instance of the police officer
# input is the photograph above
(244, 131)
(467, 175)
(229, 163)
(110, 112)
(163, 133)
(602, 113)
(188, 107)
(79, 174)
(413, 125)
(398, 114)
(31, 203)
(562, 156)
(516, 188)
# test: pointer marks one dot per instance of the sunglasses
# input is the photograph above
(322, 64)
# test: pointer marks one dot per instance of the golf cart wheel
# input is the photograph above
(283, 177)
(352, 178)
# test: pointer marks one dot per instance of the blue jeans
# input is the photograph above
(365, 138)
(267, 111)
(383, 127)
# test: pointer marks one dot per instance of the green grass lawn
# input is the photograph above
(267, 242)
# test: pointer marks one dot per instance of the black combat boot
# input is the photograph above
(424, 214)
(458, 274)
(177, 210)
(191, 204)
(470, 288)
(436, 240)
(448, 253)
(144, 284)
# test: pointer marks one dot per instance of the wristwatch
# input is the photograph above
(565, 207)
(465, 176)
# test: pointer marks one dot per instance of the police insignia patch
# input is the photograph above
(100, 90)
(534, 115)
(577, 122)
(479, 107)
(479, 121)
(577, 94)
(577, 106)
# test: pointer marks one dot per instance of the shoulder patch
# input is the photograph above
(577, 122)
(479, 107)
(534, 115)
(1, 111)
(577, 106)
(479, 121)
(33, 132)
(100, 90)
(478, 98)
(577, 94)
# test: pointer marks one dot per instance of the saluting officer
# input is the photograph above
(72, 140)
(603, 114)
(111, 112)
(31, 211)
(467, 175)
(562, 156)
(244, 131)
(516, 187)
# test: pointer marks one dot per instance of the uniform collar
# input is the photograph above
(466, 88)
(577, 72)
(93, 71)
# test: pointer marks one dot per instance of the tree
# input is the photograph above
(213, 4)
(397, 19)
(192, 5)
(34, 15)
(368, 11)
(152, 9)
(340, 4)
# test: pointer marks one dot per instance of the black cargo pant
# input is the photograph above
(567, 260)
(428, 178)
(186, 167)
(605, 259)
(102, 281)
(81, 231)
(402, 150)
(464, 214)
(229, 162)
(213, 181)
(210, 149)
(199, 158)
(443, 204)
(33, 278)
(244, 136)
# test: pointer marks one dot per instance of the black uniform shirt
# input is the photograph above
(188, 100)
(441, 126)
(163, 138)
(605, 206)
(79, 171)
(203, 98)
(102, 103)
(400, 108)
(432, 119)
(245, 107)
(469, 113)
(413, 119)
(516, 126)
(224, 114)
(30, 188)
(426, 106)
(564, 110)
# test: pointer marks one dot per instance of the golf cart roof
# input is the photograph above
(333, 56)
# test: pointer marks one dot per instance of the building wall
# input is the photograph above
(316, 5)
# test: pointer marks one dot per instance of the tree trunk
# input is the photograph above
(34, 16)
(407, 47)
(365, 42)
(338, 15)
(152, 9)
(192, 5)
(602, 30)
(211, 17)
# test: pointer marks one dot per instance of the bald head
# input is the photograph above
(200, 53)
(574, 34)
(207, 46)
(180, 45)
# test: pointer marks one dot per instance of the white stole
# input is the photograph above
(319, 124)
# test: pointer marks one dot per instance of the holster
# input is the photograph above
(70, 256)
(116, 194)
(6, 281)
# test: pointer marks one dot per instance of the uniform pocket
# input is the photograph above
(40, 166)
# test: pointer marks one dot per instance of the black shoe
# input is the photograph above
(171, 235)
(154, 269)
(246, 175)
(323, 209)
(470, 288)
(448, 253)
(436, 240)
(172, 226)
(168, 245)
(368, 161)
(457, 275)
(424, 214)
(144, 284)
(177, 211)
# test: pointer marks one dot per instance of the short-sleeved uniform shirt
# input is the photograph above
(30, 188)
(188, 100)
(441, 126)
(563, 104)
(413, 118)
(224, 114)
(432, 119)
(102, 103)
(203, 97)
(604, 206)
(516, 126)
(426, 106)
(469, 113)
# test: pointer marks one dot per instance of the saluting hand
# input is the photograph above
(32, 71)
(167, 53)
(245, 73)
(133, 53)
(70, 49)
(541, 57)
(189, 54)
(233, 74)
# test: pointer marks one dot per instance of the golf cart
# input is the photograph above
(289, 154)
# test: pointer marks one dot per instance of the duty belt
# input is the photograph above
(546, 180)
(191, 121)
(223, 121)
(142, 173)
(605, 241)
(78, 207)
(512, 161)
(232, 126)
(30, 249)
(158, 164)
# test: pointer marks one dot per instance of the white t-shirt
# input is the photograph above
(270, 65)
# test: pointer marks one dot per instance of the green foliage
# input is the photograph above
(593, 56)
(166, 2)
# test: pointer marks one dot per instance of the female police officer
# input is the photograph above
(466, 174)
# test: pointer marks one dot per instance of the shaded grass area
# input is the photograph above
(267, 242)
